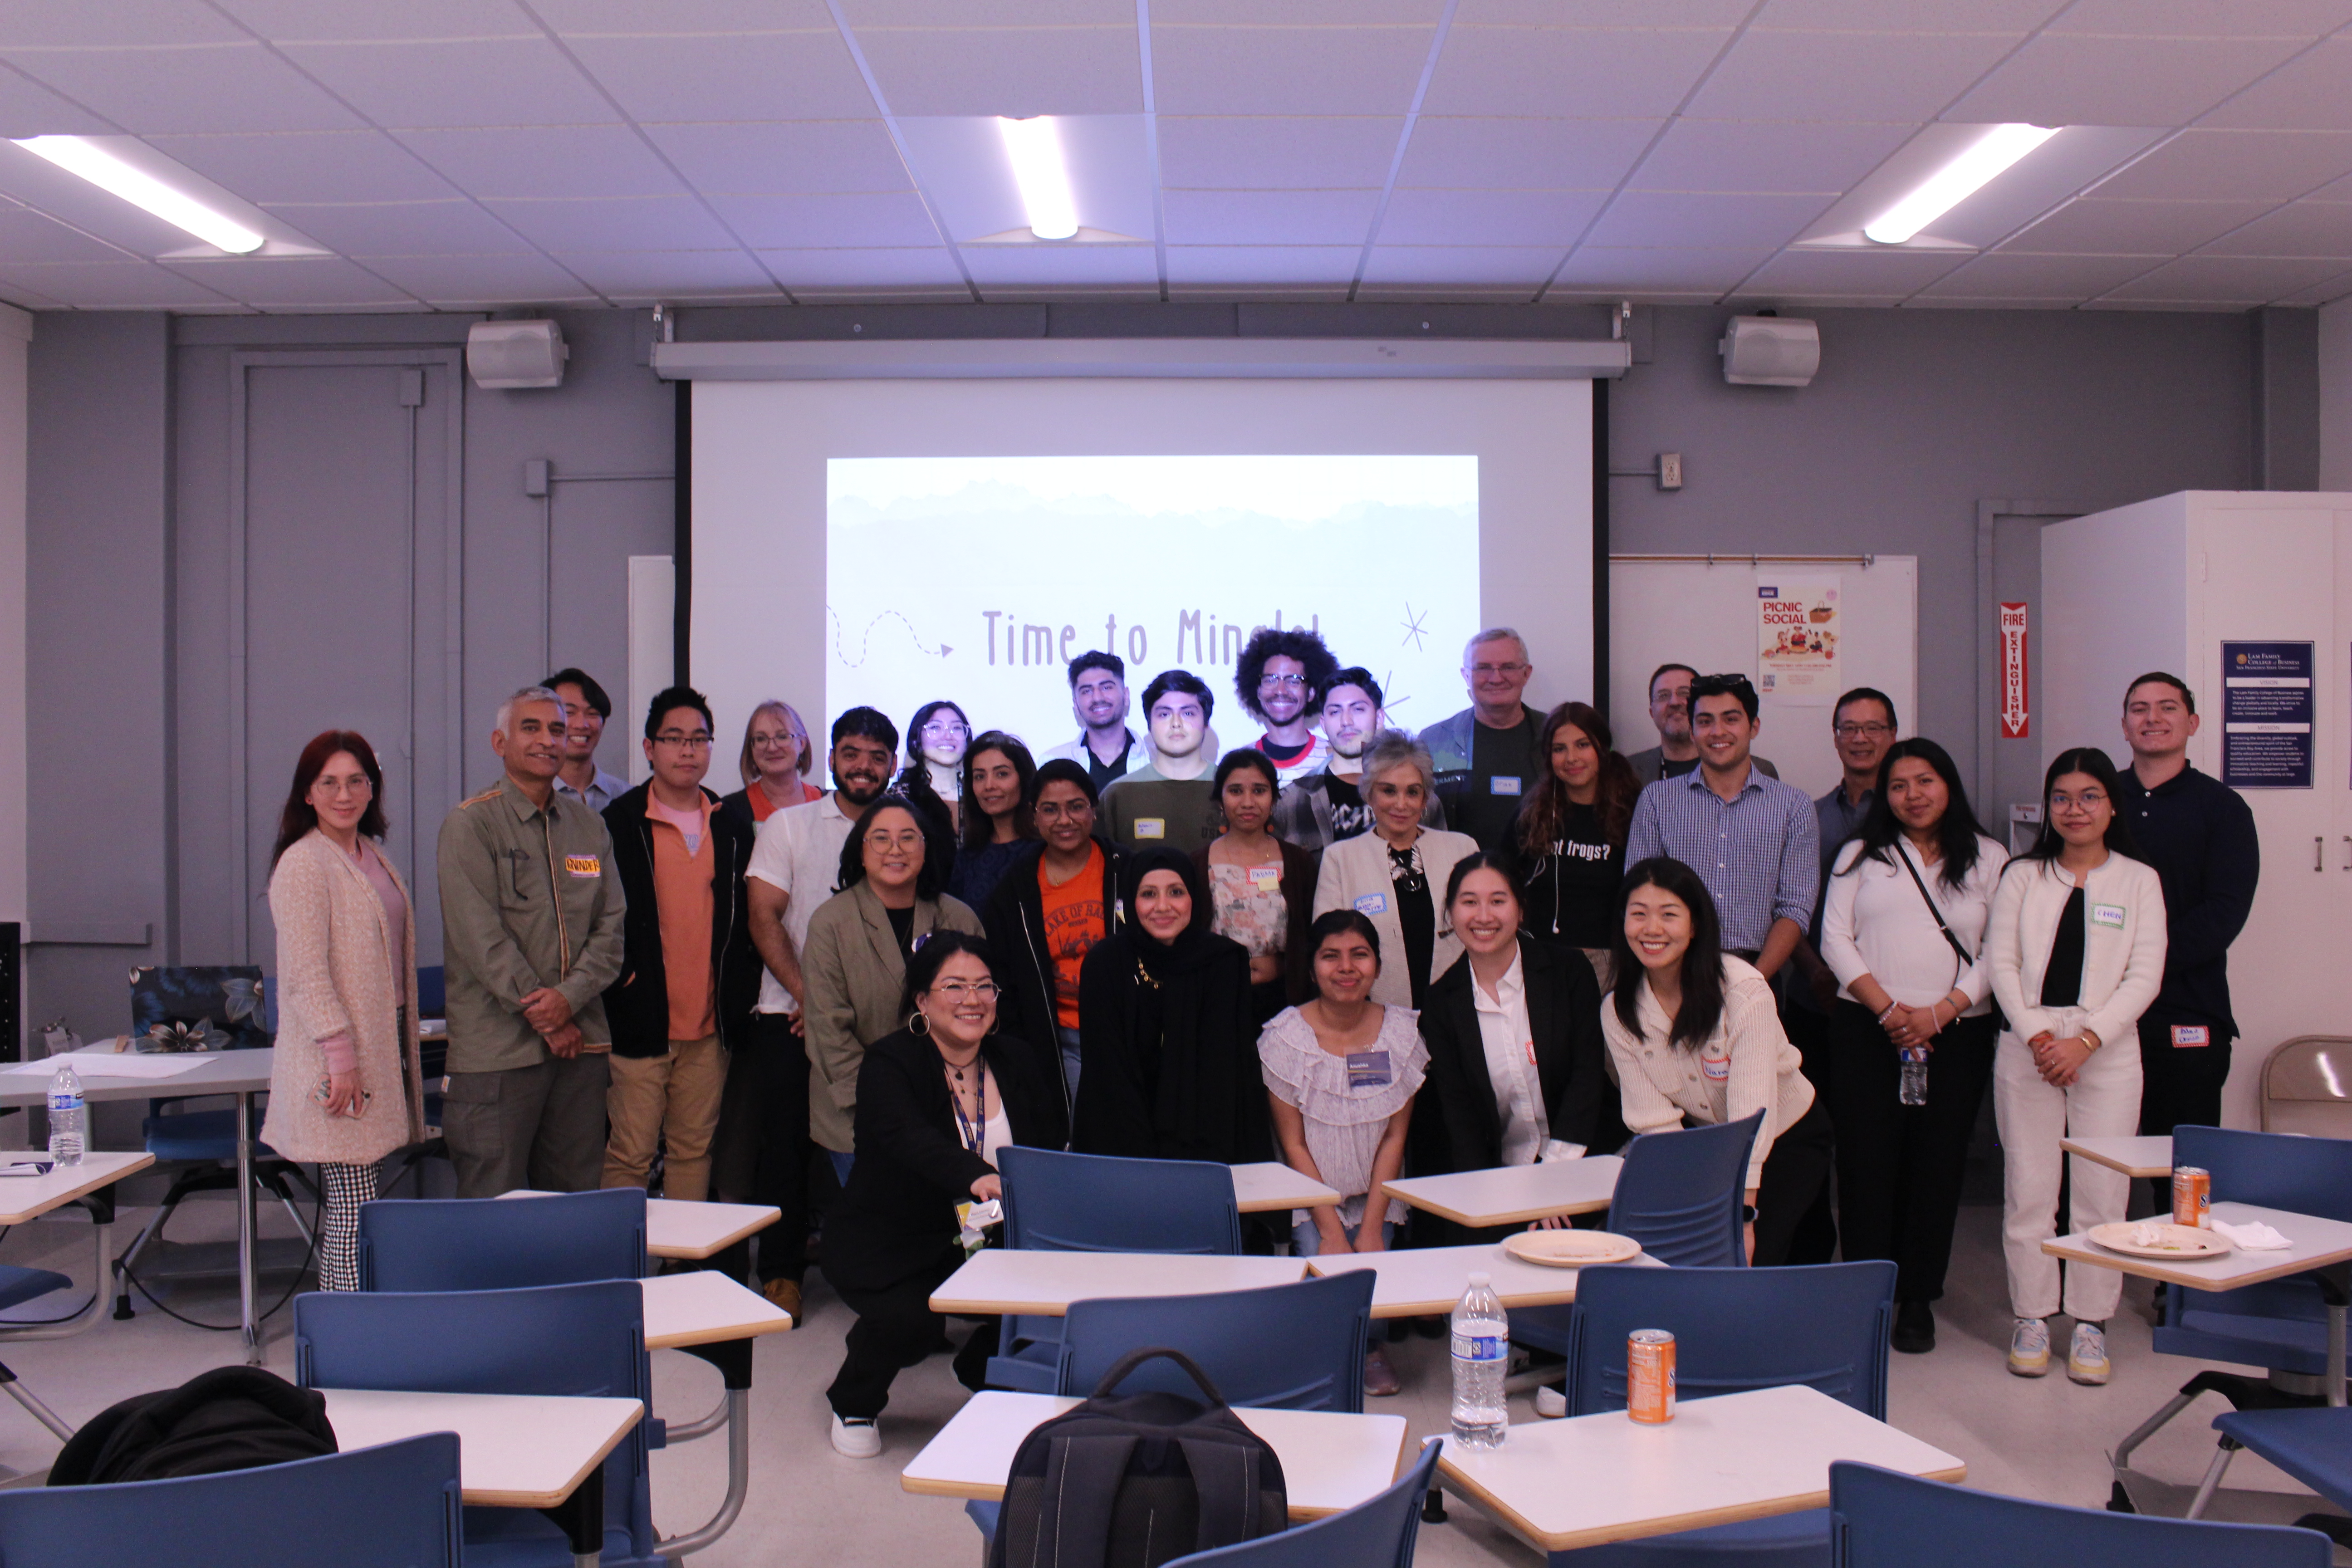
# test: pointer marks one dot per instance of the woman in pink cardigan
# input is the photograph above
(345, 1090)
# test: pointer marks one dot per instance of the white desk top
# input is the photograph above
(2317, 1242)
(1269, 1184)
(1426, 1281)
(24, 1198)
(225, 1072)
(706, 1307)
(514, 1450)
(1330, 1461)
(2133, 1156)
(1559, 1484)
(1043, 1284)
(693, 1231)
(1514, 1194)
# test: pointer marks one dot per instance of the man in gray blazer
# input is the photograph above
(1486, 755)
(1677, 754)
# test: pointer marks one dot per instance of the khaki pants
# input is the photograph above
(670, 1098)
(539, 1126)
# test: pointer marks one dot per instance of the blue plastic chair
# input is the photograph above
(393, 1506)
(1881, 1518)
(502, 1244)
(2314, 1446)
(1095, 1203)
(1378, 1532)
(1824, 1326)
(572, 1339)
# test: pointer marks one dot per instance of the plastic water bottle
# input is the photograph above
(1914, 1076)
(1482, 1350)
(68, 1118)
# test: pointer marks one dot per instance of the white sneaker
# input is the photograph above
(2087, 1355)
(2029, 1348)
(856, 1437)
(1551, 1404)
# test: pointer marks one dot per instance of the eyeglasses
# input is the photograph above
(1484, 670)
(1855, 731)
(1266, 680)
(763, 740)
(698, 742)
(957, 990)
(943, 729)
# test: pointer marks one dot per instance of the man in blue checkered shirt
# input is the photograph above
(1753, 840)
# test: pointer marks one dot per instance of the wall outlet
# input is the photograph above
(1670, 470)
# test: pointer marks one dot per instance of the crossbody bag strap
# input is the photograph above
(1966, 958)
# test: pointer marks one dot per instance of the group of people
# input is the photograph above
(1339, 945)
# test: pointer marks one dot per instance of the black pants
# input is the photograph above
(1796, 1175)
(2180, 1085)
(1815, 1239)
(1900, 1167)
(895, 1329)
(763, 1148)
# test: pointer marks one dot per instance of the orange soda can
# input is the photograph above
(2192, 1196)
(1649, 1375)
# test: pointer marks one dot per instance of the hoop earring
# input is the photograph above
(921, 1023)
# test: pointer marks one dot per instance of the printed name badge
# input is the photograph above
(2187, 1034)
(1717, 1068)
(1373, 904)
(584, 865)
(1366, 1069)
(1503, 784)
(2107, 915)
(1151, 828)
(1266, 879)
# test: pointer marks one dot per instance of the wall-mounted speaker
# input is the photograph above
(1770, 350)
(502, 355)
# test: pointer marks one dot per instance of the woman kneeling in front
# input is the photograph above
(1696, 1036)
(936, 1100)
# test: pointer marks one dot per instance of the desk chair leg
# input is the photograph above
(248, 1288)
(1433, 1507)
(702, 1426)
(581, 1517)
(733, 1360)
(41, 1413)
(2222, 1455)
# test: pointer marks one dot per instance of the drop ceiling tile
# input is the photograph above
(1881, 77)
(216, 87)
(2228, 279)
(1297, 12)
(2005, 276)
(1720, 15)
(785, 157)
(1603, 73)
(315, 21)
(2075, 81)
(1269, 217)
(875, 220)
(633, 223)
(121, 24)
(734, 76)
(2204, 18)
(1286, 70)
(2305, 94)
(28, 108)
(452, 82)
(613, 18)
(2097, 225)
(927, 266)
(108, 285)
(315, 166)
(545, 162)
(1650, 219)
(633, 274)
(1640, 272)
(1000, 269)
(2301, 229)
(2322, 293)
(1751, 155)
(449, 280)
(1967, 302)
(866, 13)
(453, 227)
(1519, 269)
(1243, 266)
(307, 281)
(1276, 153)
(1871, 274)
(28, 236)
(1551, 220)
(1481, 153)
(2236, 165)
(2015, 17)
(1013, 72)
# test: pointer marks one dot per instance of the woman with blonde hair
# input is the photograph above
(775, 753)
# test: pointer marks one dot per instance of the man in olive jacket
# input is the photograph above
(530, 919)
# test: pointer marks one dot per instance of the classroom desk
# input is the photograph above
(709, 1316)
(1591, 1479)
(243, 1074)
(1269, 1184)
(514, 1450)
(26, 1198)
(1330, 1461)
(2133, 1156)
(1428, 1282)
(693, 1231)
(1514, 1195)
(999, 1281)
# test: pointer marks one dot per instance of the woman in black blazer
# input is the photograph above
(935, 1100)
(1474, 1116)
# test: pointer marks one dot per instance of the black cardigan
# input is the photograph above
(1198, 1093)
(1457, 1126)
(636, 1004)
(1015, 923)
(897, 1217)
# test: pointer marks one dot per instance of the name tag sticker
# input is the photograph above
(1366, 1069)
(1266, 879)
(2107, 915)
(2187, 1034)
(584, 865)
(1373, 904)
(1503, 784)
(1717, 1068)
(1151, 828)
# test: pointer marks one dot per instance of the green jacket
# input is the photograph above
(528, 897)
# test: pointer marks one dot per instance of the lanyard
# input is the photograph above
(974, 1133)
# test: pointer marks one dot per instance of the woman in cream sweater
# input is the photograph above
(345, 1088)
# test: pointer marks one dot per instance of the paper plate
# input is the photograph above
(1571, 1248)
(2176, 1243)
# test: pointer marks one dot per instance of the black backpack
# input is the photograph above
(230, 1418)
(1134, 1480)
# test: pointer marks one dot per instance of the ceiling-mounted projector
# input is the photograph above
(509, 354)
(1770, 350)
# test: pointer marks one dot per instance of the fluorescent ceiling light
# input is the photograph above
(1035, 146)
(1956, 181)
(78, 155)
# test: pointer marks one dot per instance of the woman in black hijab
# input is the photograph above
(1168, 1051)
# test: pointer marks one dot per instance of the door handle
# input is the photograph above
(2318, 852)
(2347, 852)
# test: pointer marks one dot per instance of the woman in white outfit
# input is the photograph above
(2076, 943)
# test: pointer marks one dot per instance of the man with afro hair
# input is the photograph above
(1281, 677)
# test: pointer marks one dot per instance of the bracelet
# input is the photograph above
(1890, 1007)
(2091, 1037)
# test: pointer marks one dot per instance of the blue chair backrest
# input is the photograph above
(572, 1339)
(1679, 1195)
(1095, 1202)
(432, 990)
(395, 1506)
(1824, 1326)
(2273, 1169)
(1880, 1519)
(1377, 1533)
(502, 1244)
(1297, 1347)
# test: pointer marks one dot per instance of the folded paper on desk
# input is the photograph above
(2253, 1236)
(111, 1063)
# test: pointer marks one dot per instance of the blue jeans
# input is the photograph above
(1307, 1241)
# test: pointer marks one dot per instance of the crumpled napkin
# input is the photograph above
(2253, 1236)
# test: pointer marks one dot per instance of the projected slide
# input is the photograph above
(976, 579)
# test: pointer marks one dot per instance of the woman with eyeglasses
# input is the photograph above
(994, 784)
(1262, 889)
(1395, 875)
(936, 739)
(775, 750)
(937, 1097)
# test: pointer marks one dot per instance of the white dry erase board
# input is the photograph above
(1705, 615)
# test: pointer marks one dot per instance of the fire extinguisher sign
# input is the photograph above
(2016, 719)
